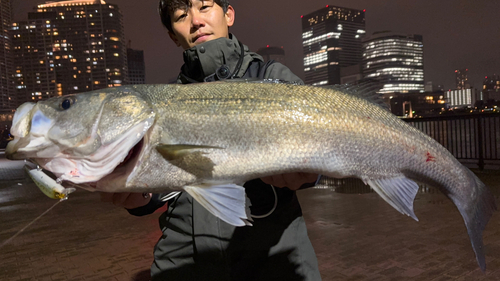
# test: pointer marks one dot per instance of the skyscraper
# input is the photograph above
(331, 40)
(69, 47)
(136, 67)
(462, 79)
(396, 58)
(6, 58)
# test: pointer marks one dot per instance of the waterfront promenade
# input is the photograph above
(356, 236)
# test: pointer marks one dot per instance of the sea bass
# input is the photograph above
(208, 139)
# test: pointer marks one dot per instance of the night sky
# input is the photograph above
(457, 33)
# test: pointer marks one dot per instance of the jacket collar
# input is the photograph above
(203, 60)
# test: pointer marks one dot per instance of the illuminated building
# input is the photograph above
(136, 67)
(35, 73)
(7, 97)
(431, 87)
(331, 40)
(461, 78)
(491, 87)
(69, 47)
(273, 53)
(414, 105)
(395, 58)
(463, 97)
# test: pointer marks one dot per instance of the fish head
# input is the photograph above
(82, 137)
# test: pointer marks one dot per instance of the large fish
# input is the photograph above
(207, 139)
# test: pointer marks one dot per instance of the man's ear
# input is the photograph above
(230, 16)
(174, 38)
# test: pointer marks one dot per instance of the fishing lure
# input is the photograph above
(48, 185)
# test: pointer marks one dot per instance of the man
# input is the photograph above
(195, 244)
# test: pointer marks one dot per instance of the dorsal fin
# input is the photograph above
(367, 89)
(259, 81)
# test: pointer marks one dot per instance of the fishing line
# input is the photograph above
(272, 210)
(29, 224)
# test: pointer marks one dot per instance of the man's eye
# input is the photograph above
(204, 7)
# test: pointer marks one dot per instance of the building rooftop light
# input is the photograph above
(50, 4)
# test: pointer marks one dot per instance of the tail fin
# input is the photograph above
(476, 215)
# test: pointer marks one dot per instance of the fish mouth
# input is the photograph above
(114, 160)
(133, 153)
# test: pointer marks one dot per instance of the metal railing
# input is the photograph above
(473, 139)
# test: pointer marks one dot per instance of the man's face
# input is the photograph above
(204, 21)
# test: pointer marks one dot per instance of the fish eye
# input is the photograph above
(66, 103)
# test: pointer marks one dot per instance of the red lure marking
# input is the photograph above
(74, 172)
(430, 158)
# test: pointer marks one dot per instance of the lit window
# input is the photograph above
(307, 34)
(321, 83)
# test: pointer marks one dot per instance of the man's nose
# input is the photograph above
(197, 19)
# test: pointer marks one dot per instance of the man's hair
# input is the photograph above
(168, 7)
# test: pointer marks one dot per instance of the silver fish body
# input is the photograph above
(199, 136)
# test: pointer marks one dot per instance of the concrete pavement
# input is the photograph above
(356, 236)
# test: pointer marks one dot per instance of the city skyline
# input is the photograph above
(397, 57)
(458, 34)
(64, 49)
(332, 42)
(7, 93)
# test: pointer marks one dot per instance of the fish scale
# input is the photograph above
(207, 139)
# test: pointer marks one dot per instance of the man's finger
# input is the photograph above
(294, 180)
(308, 177)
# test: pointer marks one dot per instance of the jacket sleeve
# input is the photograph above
(279, 71)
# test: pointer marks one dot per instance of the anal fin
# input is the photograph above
(225, 201)
(399, 192)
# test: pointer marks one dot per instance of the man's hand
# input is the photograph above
(126, 200)
(293, 181)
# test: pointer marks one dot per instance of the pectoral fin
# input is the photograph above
(190, 158)
(225, 201)
(177, 151)
(399, 192)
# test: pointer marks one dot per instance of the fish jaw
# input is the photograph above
(116, 123)
(33, 131)
(28, 143)
(22, 120)
(90, 169)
